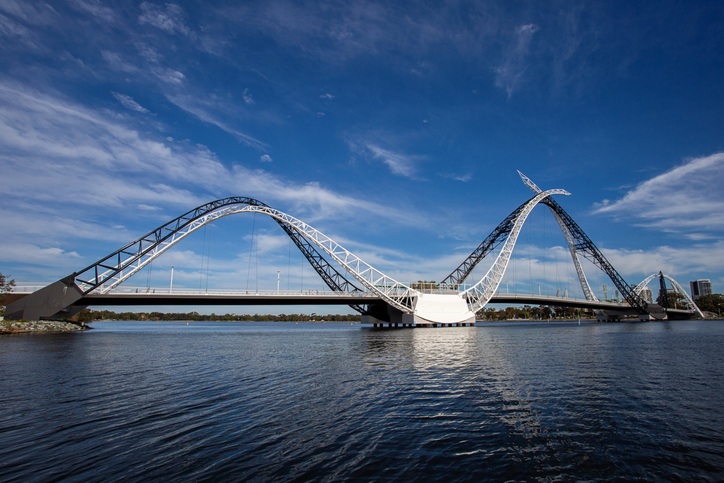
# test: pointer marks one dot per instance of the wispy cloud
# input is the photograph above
(265, 158)
(205, 110)
(689, 261)
(509, 74)
(686, 199)
(399, 164)
(49, 144)
(458, 177)
(247, 97)
(170, 18)
(117, 63)
(129, 103)
(95, 8)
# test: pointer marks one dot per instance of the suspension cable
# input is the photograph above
(203, 248)
(289, 262)
(208, 260)
(251, 248)
(544, 253)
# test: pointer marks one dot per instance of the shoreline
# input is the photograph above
(38, 326)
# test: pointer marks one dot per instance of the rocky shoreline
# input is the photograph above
(17, 326)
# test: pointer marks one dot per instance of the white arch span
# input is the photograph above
(443, 308)
(677, 288)
(389, 289)
(569, 240)
(480, 294)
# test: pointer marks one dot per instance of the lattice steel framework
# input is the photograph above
(590, 252)
(112, 270)
(677, 287)
(578, 242)
(480, 294)
(497, 236)
(555, 208)
(491, 242)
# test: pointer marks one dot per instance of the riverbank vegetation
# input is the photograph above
(87, 315)
(489, 313)
(528, 312)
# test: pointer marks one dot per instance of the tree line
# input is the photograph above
(88, 315)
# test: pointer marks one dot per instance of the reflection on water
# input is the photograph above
(285, 401)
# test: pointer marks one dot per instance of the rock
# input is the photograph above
(18, 326)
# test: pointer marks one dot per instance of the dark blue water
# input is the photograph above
(139, 401)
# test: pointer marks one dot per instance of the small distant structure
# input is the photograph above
(647, 295)
(699, 288)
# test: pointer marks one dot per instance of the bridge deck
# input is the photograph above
(141, 297)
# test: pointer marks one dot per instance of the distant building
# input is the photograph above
(699, 288)
(647, 295)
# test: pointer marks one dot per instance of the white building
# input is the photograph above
(699, 288)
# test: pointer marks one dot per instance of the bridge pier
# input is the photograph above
(411, 321)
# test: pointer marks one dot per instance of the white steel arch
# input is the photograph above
(569, 240)
(677, 287)
(480, 294)
(390, 290)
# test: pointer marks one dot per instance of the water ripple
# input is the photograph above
(139, 402)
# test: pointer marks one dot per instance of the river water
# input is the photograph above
(139, 401)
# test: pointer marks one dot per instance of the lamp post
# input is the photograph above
(170, 287)
(277, 282)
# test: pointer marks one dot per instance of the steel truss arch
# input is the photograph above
(555, 208)
(491, 242)
(129, 255)
(497, 236)
(582, 244)
(135, 256)
(677, 287)
(480, 294)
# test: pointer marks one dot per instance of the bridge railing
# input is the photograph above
(251, 292)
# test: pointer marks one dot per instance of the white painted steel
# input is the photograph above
(677, 288)
(390, 290)
(637, 290)
(569, 240)
(480, 294)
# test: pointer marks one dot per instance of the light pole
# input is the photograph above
(277, 282)
(170, 287)
(507, 287)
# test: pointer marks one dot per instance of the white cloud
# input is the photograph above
(326, 96)
(171, 76)
(400, 164)
(689, 262)
(29, 253)
(459, 177)
(686, 199)
(509, 74)
(128, 102)
(202, 108)
(170, 19)
(94, 8)
(265, 158)
(64, 158)
(116, 63)
(247, 97)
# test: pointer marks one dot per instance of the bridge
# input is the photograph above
(379, 298)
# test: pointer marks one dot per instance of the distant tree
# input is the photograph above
(6, 286)
(84, 316)
(676, 300)
(711, 303)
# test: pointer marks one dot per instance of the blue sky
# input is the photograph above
(396, 128)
